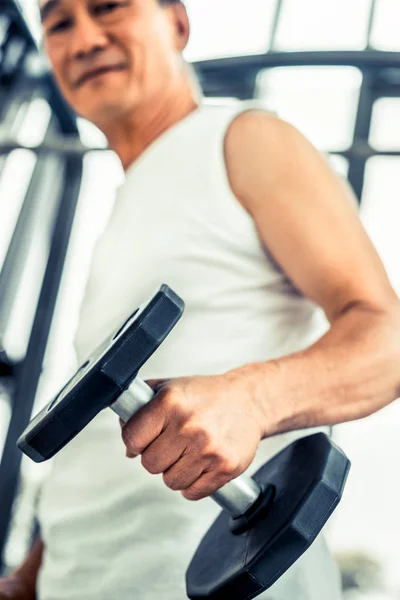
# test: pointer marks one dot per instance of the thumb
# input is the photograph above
(157, 384)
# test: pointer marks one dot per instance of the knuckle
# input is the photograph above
(198, 435)
(194, 494)
(150, 464)
(175, 404)
(170, 401)
(135, 449)
(213, 452)
(229, 467)
(171, 481)
(130, 442)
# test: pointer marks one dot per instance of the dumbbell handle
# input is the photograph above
(236, 497)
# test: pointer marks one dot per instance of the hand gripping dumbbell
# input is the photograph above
(268, 521)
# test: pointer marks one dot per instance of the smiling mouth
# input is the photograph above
(97, 73)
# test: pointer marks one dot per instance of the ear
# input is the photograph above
(181, 25)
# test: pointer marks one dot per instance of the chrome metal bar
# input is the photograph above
(236, 497)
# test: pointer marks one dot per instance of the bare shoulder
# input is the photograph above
(304, 213)
(255, 130)
(265, 152)
(267, 158)
(256, 121)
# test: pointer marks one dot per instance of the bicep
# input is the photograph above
(305, 215)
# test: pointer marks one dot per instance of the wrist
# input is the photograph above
(261, 382)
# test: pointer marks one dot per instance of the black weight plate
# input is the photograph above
(309, 477)
(103, 377)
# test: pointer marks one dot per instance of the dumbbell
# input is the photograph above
(267, 521)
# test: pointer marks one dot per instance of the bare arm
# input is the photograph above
(201, 432)
(305, 217)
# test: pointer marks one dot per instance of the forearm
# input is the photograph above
(350, 373)
(28, 571)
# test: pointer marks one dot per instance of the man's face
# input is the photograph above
(111, 56)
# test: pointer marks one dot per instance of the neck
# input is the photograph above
(133, 133)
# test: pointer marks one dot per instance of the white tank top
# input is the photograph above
(111, 530)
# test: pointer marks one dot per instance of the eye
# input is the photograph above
(107, 7)
(60, 26)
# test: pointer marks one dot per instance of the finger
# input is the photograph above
(128, 453)
(164, 452)
(208, 483)
(157, 384)
(184, 473)
(144, 427)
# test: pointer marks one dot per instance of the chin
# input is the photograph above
(111, 104)
(102, 112)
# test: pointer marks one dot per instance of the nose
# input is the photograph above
(88, 37)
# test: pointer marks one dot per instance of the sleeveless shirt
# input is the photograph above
(112, 530)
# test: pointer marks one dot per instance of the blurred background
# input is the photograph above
(332, 68)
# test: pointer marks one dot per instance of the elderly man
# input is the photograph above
(239, 214)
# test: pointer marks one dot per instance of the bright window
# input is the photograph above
(381, 211)
(323, 25)
(385, 126)
(385, 32)
(229, 27)
(320, 101)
